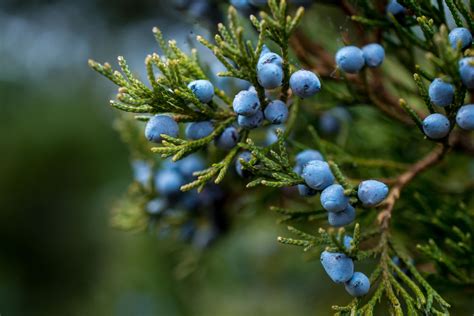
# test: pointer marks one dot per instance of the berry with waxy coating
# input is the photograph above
(246, 156)
(270, 76)
(342, 218)
(358, 285)
(168, 182)
(338, 266)
(202, 89)
(159, 125)
(460, 35)
(465, 117)
(305, 156)
(306, 191)
(246, 103)
(252, 121)
(436, 126)
(347, 242)
(198, 130)
(141, 171)
(372, 192)
(190, 164)
(395, 8)
(156, 206)
(466, 70)
(317, 174)
(333, 198)
(350, 59)
(305, 83)
(374, 54)
(441, 93)
(269, 58)
(276, 112)
(228, 139)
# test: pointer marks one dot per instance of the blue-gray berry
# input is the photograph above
(141, 171)
(202, 89)
(350, 59)
(305, 83)
(441, 93)
(252, 121)
(159, 125)
(333, 198)
(374, 54)
(270, 76)
(276, 112)
(465, 117)
(317, 174)
(347, 242)
(436, 126)
(395, 8)
(372, 192)
(190, 164)
(156, 206)
(460, 36)
(246, 156)
(305, 156)
(269, 58)
(228, 139)
(198, 130)
(306, 191)
(466, 70)
(168, 182)
(358, 285)
(246, 103)
(342, 218)
(338, 266)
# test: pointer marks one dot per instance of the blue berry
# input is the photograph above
(441, 93)
(466, 70)
(190, 164)
(306, 191)
(329, 124)
(342, 218)
(271, 137)
(270, 76)
(156, 206)
(159, 125)
(198, 130)
(252, 121)
(190, 200)
(241, 5)
(246, 156)
(374, 55)
(269, 58)
(305, 83)
(347, 242)
(358, 285)
(317, 174)
(395, 8)
(460, 35)
(228, 139)
(202, 89)
(333, 198)
(305, 156)
(265, 50)
(436, 126)
(246, 103)
(168, 182)
(372, 192)
(465, 117)
(276, 112)
(141, 171)
(338, 266)
(350, 59)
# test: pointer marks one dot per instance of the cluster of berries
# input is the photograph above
(318, 177)
(442, 93)
(352, 59)
(340, 268)
(169, 202)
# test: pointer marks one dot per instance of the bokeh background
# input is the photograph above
(62, 166)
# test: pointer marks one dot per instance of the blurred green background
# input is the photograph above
(63, 165)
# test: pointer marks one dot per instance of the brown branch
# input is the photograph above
(403, 179)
